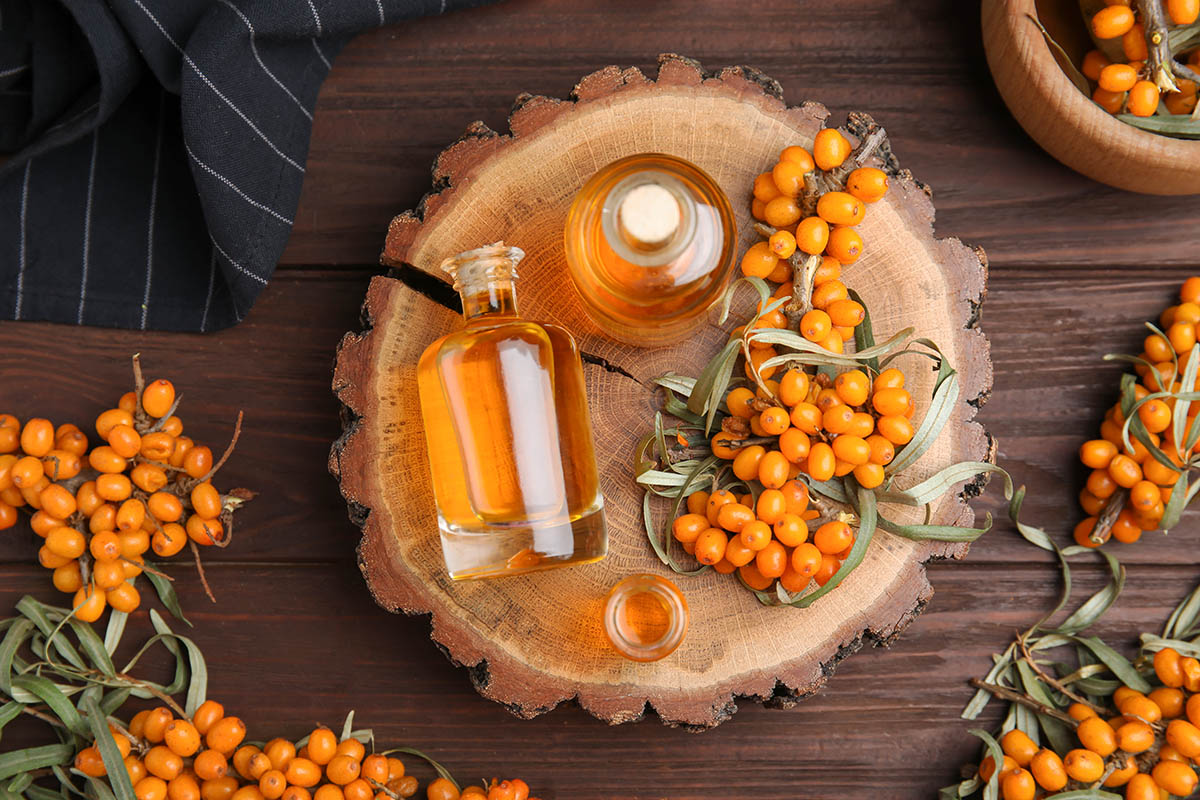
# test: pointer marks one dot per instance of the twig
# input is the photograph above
(764, 230)
(147, 568)
(1025, 700)
(1108, 517)
(237, 431)
(1159, 57)
(200, 571)
(803, 272)
(1051, 681)
(46, 718)
(162, 421)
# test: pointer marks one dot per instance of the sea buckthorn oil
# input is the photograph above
(508, 432)
(645, 617)
(650, 244)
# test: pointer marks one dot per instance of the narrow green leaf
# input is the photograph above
(716, 375)
(17, 634)
(1095, 606)
(938, 484)
(40, 615)
(1175, 506)
(864, 332)
(1116, 662)
(991, 789)
(982, 696)
(198, 678)
(347, 726)
(36, 792)
(32, 758)
(940, 409)
(1179, 416)
(166, 594)
(1059, 735)
(93, 646)
(118, 776)
(1179, 126)
(114, 700)
(866, 531)
(114, 630)
(49, 694)
(939, 533)
(1184, 617)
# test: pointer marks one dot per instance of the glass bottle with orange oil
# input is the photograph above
(508, 432)
(645, 617)
(650, 242)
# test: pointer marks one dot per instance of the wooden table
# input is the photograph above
(295, 637)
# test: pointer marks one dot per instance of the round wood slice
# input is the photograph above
(532, 642)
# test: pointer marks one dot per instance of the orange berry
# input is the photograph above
(782, 244)
(1118, 78)
(1184, 736)
(225, 735)
(1112, 102)
(157, 398)
(791, 530)
(829, 567)
(812, 235)
(1111, 22)
(182, 737)
(759, 261)
(815, 325)
(1097, 453)
(151, 788)
(1143, 99)
(734, 516)
(207, 714)
(115, 488)
(821, 462)
(782, 212)
(772, 560)
(788, 177)
(163, 762)
(800, 156)
(1167, 667)
(1175, 777)
(1083, 765)
(846, 314)
(851, 449)
(737, 554)
(1124, 471)
(868, 184)
(1048, 770)
(710, 546)
(830, 148)
(795, 494)
(833, 537)
(869, 476)
(1135, 737)
(845, 245)
(773, 470)
(896, 429)
(840, 208)
(1093, 63)
(1098, 736)
(795, 445)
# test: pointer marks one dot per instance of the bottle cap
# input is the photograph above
(495, 262)
(650, 214)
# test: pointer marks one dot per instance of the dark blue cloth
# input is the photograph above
(159, 149)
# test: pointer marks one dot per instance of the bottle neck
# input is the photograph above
(493, 298)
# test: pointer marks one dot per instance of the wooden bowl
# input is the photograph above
(533, 641)
(1066, 123)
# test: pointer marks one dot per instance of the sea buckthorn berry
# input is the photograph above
(26, 472)
(1143, 99)
(830, 270)
(1048, 770)
(840, 208)
(1155, 415)
(105, 459)
(198, 460)
(782, 244)
(773, 470)
(737, 553)
(150, 788)
(846, 314)
(815, 325)
(158, 446)
(833, 537)
(745, 463)
(155, 724)
(1124, 471)
(74, 442)
(709, 547)
(108, 575)
(738, 401)
(219, 789)
(1111, 22)
(61, 465)
(764, 187)
(68, 579)
(774, 421)
(1112, 102)
(791, 530)
(758, 210)
(57, 501)
(1101, 484)
(753, 578)
(829, 293)
(869, 476)
(793, 387)
(1093, 64)
(1191, 674)
(807, 417)
(105, 547)
(734, 516)
(799, 155)
(136, 769)
(441, 789)
(852, 386)
(1184, 736)
(1083, 532)
(795, 445)
(272, 784)
(207, 714)
(65, 542)
(1175, 777)
(687, 528)
(1118, 78)
(788, 177)
(896, 429)
(131, 515)
(1017, 784)
(795, 494)
(830, 148)
(891, 402)
(697, 502)
(1135, 737)
(125, 441)
(170, 540)
(1016, 743)
(1122, 775)
(1141, 787)
(838, 418)
(248, 793)
(882, 450)
(110, 419)
(164, 507)
(852, 449)
(1097, 453)
(716, 500)
(987, 767)
(1133, 45)
(182, 737)
(241, 758)
(782, 212)
(821, 462)
(1144, 495)
(1169, 700)
(812, 235)
(358, 790)
(868, 184)
(759, 261)
(753, 364)
(157, 398)
(115, 488)
(37, 437)
(1141, 707)
(862, 425)
(772, 560)
(1083, 765)
(1168, 668)
(89, 762)
(1182, 336)
(225, 735)
(845, 245)
(183, 787)
(163, 762)
(1098, 736)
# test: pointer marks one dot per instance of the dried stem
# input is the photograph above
(1025, 700)
(162, 421)
(1054, 682)
(147, 568)
(764, 230)
(804, 269)
(237, 431)
(1108, 516)
(200, 571)
(1159, 58)
(46, 718)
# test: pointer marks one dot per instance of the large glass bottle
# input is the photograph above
(650, 242)
(508, 431)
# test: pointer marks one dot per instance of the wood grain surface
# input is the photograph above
(295, 638)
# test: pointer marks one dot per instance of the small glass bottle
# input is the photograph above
(508, 432)
(645, 617)
(650, 242)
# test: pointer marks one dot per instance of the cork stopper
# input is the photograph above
(649, 214)
(484, 265)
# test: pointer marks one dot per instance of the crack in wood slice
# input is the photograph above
(534, 642)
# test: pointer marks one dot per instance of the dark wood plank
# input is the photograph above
(397, 96)
(295, 644)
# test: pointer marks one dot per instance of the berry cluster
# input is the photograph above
(145, 487)
(1133, 85)
(169, 757)
(1136, 463)
(1149, 744)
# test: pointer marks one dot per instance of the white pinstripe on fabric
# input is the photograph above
(87, 229)
(324, 60)
(212, 279)
(231, 185)
(153, 204)
(258, 58)
(316, 18)
(236, 265)
(188, 60)
(21, 242)
(7, 73)
(379, 5)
